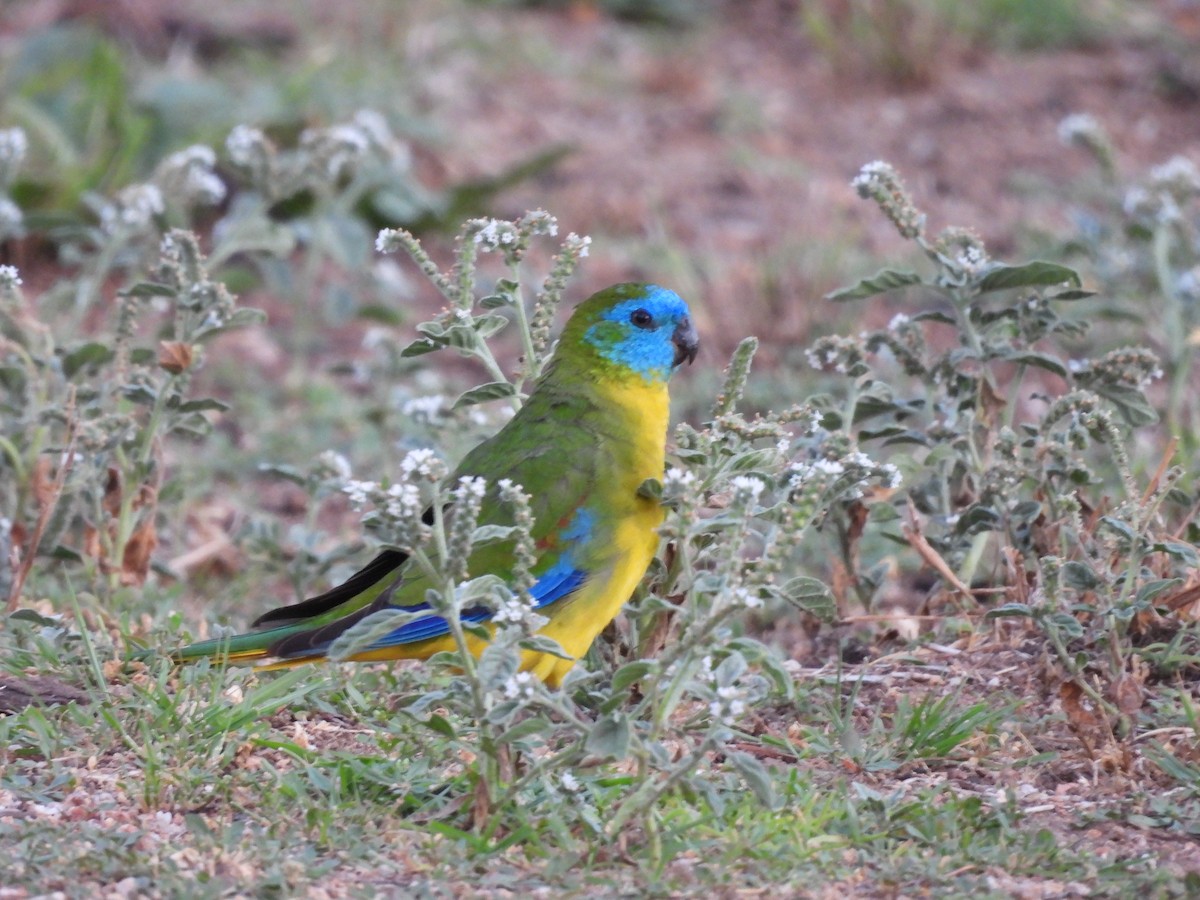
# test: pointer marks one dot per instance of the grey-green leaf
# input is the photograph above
(493, 390)
(1033, 274)
(879, 283)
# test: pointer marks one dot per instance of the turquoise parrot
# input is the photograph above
(592, 431)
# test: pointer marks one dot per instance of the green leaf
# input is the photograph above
(609, 737)
(90, 354)
(1130, 402)
(532, 725)
(1032, 274)
(650, 489)
(493, 390)
(881, 282)
(420, 347)
(1079, 575)
(1185, 553)
(755, 774)
(811, 596)
(148, 289)
(630, 673)
(491, 534)
(486, 326)
(1009, 609)
(202, 404)
(361, 635)
(539, 643)
(1039, 360)
(440, 726)
(1151, 589)
(497, 664)
(240, 318)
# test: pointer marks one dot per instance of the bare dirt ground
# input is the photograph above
(737, 144)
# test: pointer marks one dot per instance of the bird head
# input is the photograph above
(639, 329)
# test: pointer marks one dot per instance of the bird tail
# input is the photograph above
(242, 648)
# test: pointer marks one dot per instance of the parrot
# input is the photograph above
(591, 432)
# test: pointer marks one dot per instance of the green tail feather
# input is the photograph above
(237, 643)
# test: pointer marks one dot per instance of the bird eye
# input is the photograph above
(641, 318)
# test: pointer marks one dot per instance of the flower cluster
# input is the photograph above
(878, 181)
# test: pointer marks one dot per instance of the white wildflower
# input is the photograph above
(972, 258)
(747, 488)
(470, 486)
(423, 462)
(538, 221)
(134, 208)
(569, 783)
(871, 174)
(245, 145)
(388, 240)
(11, 217)
(404, 501)
(1078, 127)
(359, 491)
(1178, 174)
(10, 277)
(493, 234)
(519, 687)
(728, 705)
(511, 610)
(13, 146)
(335, 463)
(746, 598)
(424, 408)
(579, 244)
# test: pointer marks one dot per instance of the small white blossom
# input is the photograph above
(11, 217)
(1178, 174)
(335, 463)
(13, 146)
(746, 598)
(519, 687)
(472, 487)
(492, 234)
(747, 488)
(134, 208)
(972, 259)
(426, 408)
(245, 145)
(1078, 127)
(404, 501)
(538, 221)
(10, 277)
(579, 244)
(728, 705)
(359, 491)
(387, 241)
(892, 476)
(869, 175)
(422, 462)
(569, 783)
(511, 611)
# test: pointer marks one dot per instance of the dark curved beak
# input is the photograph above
(686, 341)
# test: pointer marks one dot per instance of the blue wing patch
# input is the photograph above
(560, 580)
(557, 583)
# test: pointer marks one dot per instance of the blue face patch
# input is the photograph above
(645, 348)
